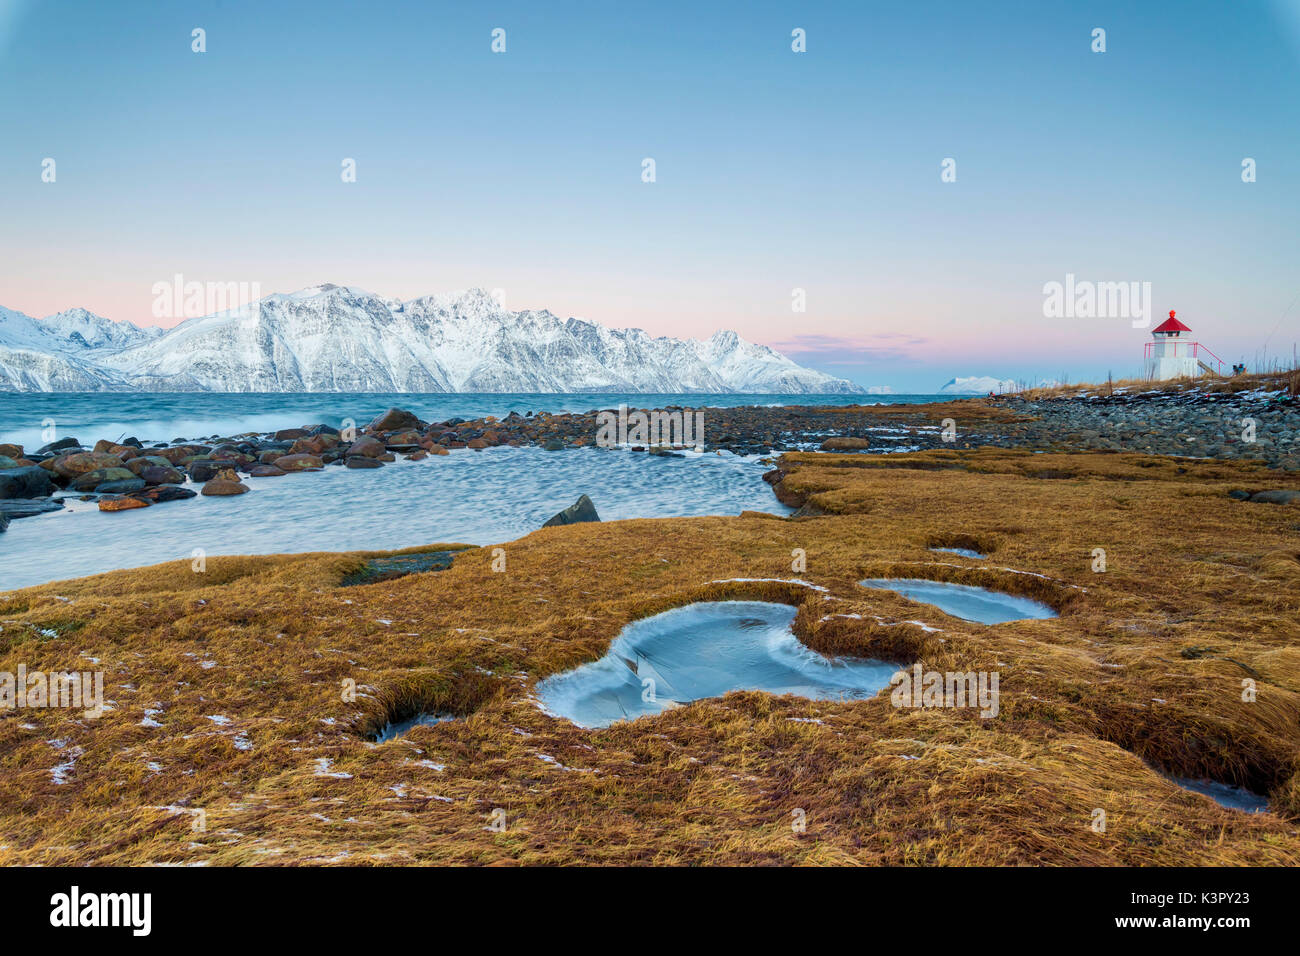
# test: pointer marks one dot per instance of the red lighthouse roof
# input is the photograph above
(1170, 325)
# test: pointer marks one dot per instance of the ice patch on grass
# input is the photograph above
(704, 650)
(965, 601)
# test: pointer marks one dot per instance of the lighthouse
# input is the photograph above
(1173, 354)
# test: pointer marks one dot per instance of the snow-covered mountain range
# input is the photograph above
(338, 339)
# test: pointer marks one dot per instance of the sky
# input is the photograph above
(774, 170)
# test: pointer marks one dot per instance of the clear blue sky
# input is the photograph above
(775, 170)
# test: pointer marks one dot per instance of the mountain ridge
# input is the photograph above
(331, 338)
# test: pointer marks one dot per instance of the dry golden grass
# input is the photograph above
(1288, 380)
(1144, 666)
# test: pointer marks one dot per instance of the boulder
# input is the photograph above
(119, 486)
(28, 507)
(121, 504)
(7, 462)
(11, 451)
(125, 452)
(1276, 496)
(315, 445)
(478, 444)
(80, 463)
(298, 463)
(30, 481)
(176, 453)
(140, 463)
(291, 434)
(438, 450)
(395, 419)
(367, 446)
(205, 469)
(54, 447)
(92, 479)
(553, 444)
(225, 486)
(360, 461)
(161, 475)
(578, 512)
(266, 471)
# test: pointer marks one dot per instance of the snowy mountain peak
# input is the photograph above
(340, 338)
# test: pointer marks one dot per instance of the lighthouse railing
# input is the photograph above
(1198, 348)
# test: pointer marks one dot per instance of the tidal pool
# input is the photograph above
(965, 601)
(1225, 795)
(705, 650)
(964, 552)
(398, 727)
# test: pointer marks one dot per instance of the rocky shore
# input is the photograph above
(1261, 423)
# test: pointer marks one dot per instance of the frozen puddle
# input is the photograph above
(1225, 795)
(705, 650)
(964, 600)
(964, 552)
(398, 727)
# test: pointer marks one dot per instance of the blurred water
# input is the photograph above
(704, 650)
(471, 497)
(1225, 794)
(153, 417)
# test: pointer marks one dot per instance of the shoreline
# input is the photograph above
(224, 686)
(1260, 424)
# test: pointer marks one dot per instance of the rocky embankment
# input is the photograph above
(1259, 424)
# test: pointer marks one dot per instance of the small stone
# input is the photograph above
(157, 494)
(121, 504)
(580, 511)
(845, 444)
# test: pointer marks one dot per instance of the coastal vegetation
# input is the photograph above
(243, 699)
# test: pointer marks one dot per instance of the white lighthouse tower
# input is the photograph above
(1173, 354)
